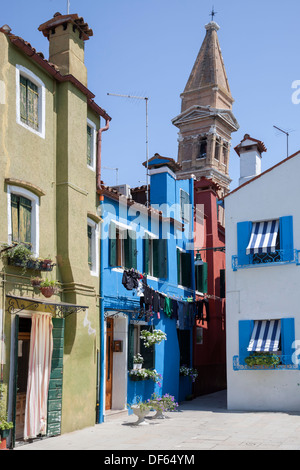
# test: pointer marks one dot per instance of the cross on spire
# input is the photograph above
(213, 13)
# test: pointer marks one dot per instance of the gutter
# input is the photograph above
(100, 417)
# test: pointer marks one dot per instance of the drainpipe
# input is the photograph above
(99, 142)
(100, 418)
(101, 322)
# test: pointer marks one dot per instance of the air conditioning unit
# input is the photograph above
(124, 189)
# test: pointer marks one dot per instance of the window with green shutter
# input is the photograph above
(29, 103)
(122, 247)
(21, 219)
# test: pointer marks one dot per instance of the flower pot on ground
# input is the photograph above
(5, 425)
(162, 404)
(140, 409)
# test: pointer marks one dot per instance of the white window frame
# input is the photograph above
(20, 70)
(92, 125)
(35, 206)
(94, 268)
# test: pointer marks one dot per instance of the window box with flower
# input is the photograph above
(152, 337)
(185, 371)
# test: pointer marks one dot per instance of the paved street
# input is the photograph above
(201, 424)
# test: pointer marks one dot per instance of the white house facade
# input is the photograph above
(263, 290)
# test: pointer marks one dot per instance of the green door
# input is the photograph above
(56, 379)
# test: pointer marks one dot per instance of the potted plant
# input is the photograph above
(152, 337)
(5, 425)
(162, 404)
(263, 359)
(145, 374)
(48, 288)
(138, 361)
(140, 409)
(46, 264)
(36, 281)
(17, 255)
(188, 372)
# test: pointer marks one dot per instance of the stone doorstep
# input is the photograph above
(111, 415)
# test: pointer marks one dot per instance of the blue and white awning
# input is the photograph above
(263, 237)
(265, 336)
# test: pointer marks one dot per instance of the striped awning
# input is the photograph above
(263, 237)
(265, 336)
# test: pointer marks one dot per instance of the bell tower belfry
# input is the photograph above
(206, 120)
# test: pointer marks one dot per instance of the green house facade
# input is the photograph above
(48, 205)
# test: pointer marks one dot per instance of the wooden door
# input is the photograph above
(109, 362)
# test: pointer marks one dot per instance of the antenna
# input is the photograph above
(114, 169)
(147, 143)
(287, 138)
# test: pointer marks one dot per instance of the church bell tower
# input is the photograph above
(206, 120)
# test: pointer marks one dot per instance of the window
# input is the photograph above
(184, 205)
(122, 246)
(275, 336)
(20, 219)
(30, 93)
(264, 242)
(202, 149)
(23, 217)
(93, 250)
(136, 345)
(217, 149)
(201, 278)
(155, 256)
(184, 267)
(91, 145)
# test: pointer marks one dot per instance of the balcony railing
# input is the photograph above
(279, 257)
(285, 363)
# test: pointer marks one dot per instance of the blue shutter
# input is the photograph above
(287, 339)
(286, 237)
(243, 237)
(245, 332)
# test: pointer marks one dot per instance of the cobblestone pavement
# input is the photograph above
(201, 424)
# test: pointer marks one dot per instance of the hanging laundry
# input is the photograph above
(155, 301)
(181, 310)
(174, 308)
(206, 303)
(130, 279)
(168, 307)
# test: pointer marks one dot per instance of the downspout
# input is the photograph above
(100, 418)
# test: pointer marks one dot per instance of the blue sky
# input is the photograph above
(148, 47)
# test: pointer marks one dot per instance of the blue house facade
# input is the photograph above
(147, 286)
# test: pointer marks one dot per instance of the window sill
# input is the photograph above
(284, 257)
(239, 364)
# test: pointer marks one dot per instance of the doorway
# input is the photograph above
(22, 376)
(109, 362)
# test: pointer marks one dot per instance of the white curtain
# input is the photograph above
(40, 357)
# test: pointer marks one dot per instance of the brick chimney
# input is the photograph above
(250, 152)
(66, 35)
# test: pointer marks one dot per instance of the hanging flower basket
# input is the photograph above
(188, 372)
(152, 337)
(48, 288)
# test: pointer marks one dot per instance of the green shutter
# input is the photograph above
(23, 99)
(147, 353)
(201, 278)
(32, 105)
(160, 258)
(178, 253)
(56, 379)
(89, 145)
(112, 245)
(146, 253)
(130, 346)
(186, 267)
(24, 220)
(89, 235)
(15, 217)
(130, 250)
